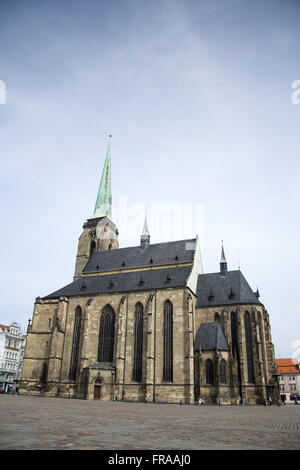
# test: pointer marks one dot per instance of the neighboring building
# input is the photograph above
(289, 378)
(12, 344)
(21, 356)
(145, 323)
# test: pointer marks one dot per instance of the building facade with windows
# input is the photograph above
(289, 379)
(11, 353)
(145, 323)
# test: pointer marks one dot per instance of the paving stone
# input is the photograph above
(32, 422)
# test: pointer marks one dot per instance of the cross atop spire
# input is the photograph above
(223, 262)
(104, 199)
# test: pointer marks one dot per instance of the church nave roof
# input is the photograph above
(125, 282)
(157, 254)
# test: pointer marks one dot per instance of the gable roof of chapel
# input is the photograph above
(213, 289)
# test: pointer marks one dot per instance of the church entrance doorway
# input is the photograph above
(97, 390)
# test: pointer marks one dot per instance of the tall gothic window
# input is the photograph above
(92, 247)
(209, 372)
(249, 347)
(262, 339)
(223, 371)
(168, 341)
(220, 319)
(234, 340)
(138, 343)
(217, 317)
(261, 333)
(44, 374)
(75, 344)
(107, 335)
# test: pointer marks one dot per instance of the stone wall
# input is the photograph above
(51, 337)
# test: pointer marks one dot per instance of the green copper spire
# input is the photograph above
(103, 202)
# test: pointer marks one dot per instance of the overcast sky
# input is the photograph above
(198, 98)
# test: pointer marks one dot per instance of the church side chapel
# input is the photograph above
(144, 323)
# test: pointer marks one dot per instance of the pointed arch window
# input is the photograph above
(75, 344)
(168, 342)
(138, 343)
(106, 335)
(209, 372)
(234, 339)
(249, 347)
(223, 372)
(220, 319)
(44, 374)
(92, 247)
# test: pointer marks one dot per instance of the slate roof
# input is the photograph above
(214, 289)
(136, 257)
(5, 328)
(125, 282)
(210, 337)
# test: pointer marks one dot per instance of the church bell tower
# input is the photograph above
(99, 232)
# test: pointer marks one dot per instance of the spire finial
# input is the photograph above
(223, 262)
(145, 237)
(145, 228)
(223, 259)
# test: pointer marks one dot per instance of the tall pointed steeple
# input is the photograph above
(145, 237)
(104, 199)
(223, 262)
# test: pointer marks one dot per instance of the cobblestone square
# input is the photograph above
(28, 422)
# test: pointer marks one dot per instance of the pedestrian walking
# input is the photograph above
(270, 401)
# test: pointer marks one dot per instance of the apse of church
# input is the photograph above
(145, 323)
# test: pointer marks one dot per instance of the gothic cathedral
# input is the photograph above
(145, 323)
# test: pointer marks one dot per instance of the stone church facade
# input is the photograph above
(145, 323)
